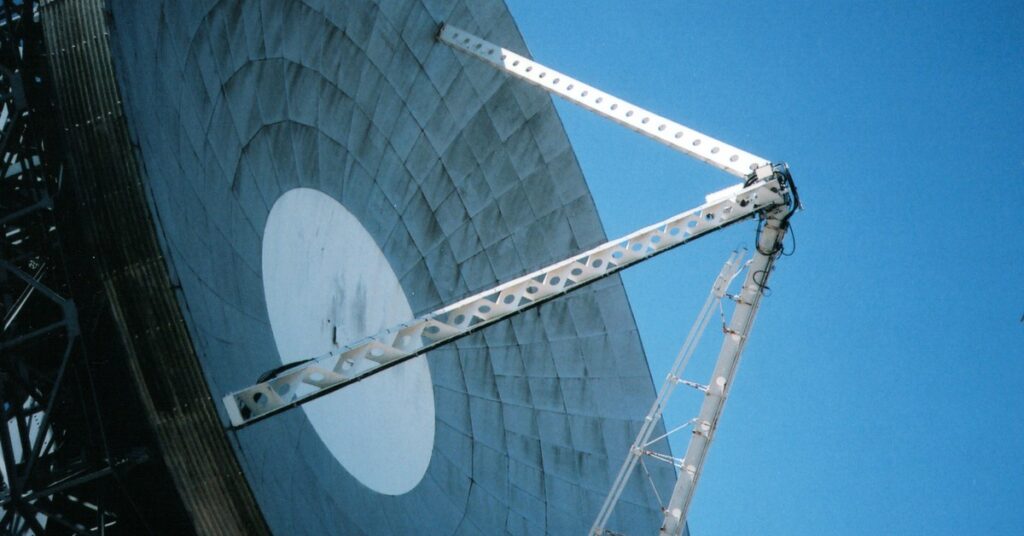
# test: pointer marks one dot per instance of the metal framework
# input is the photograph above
(643, 445)
(55, 463)
(681, 138)
(319, 376)
(771, 231)
(767, 192)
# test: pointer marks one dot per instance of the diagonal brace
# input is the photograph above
(681, 138)
(316, 377)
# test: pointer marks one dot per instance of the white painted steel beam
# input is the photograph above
(691, 142)
(674, 377)
(316, 377)
(750, 167)
(736, 335)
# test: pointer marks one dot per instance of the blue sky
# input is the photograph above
(881, 392)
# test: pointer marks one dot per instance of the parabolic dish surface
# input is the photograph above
(462, 177)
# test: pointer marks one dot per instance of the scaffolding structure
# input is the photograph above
(59, 469)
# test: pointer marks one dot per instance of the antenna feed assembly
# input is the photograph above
(781, 182)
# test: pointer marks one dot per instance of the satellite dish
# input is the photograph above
(267, 180)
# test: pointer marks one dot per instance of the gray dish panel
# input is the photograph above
(463, 177)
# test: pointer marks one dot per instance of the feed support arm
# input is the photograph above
(686, 140)
(348, 364)
(749, 167)
(769, 245)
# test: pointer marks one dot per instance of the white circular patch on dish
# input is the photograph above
(327, 283)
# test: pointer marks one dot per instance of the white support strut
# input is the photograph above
(695, 144)
(691, 142)
(736, 335)
(674, 377)
(316, 377)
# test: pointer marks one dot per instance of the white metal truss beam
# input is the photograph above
(351, 363)
(740, 163)
(674, 377)
(769, 244)
(696, 144)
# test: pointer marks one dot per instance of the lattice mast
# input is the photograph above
(643, 445)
